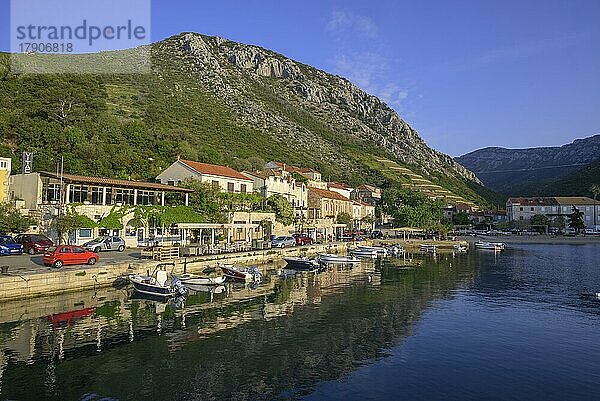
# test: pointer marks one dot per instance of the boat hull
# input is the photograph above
(301, 264)
(197, 280)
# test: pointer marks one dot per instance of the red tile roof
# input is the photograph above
(111, 182)
(533, 201)
(324, 193)
(213, 169)
(338, 185)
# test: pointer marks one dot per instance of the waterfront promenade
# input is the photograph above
(35, 281)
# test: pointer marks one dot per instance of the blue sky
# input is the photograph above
(465, 74)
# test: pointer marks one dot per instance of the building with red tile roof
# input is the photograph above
(226, 178)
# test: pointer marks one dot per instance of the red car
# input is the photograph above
(61, 255)
(34, 243)
(302, 239)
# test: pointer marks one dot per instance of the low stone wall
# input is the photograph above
(90, 278)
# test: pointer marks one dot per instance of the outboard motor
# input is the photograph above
(178, 287)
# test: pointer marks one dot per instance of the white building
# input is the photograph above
(522, 209)
(275, 182)
(343, 189)
(226, 178)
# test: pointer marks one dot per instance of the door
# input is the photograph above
(65, 255)
(79, 255)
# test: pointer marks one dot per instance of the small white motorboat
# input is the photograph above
(492, 246)
(301, 263)
(241, 273)
(363, 253)
(157, 284)
(331, 259)
(191, 279)
(381, 251)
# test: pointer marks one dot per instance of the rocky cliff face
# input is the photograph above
(271, 91)
(520, 171)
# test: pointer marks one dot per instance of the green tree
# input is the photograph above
(460, 219)
(71, 221)
(11, 221)
(595, 190)
(284, 213)
(344, 218)
(576, 220)
(412, 209)
(541, 221)
(206, 200)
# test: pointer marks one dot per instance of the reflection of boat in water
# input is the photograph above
(160, 301)
(213, 289)
(427, 248)
(331, 259)
(460, 248)
(191, 279)
(158, 283)
(241, 273)
(492, 246)
(301, 263)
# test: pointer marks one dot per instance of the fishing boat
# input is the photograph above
(302, 263)
(381, 251)
(395, 250)
(191, 279)
(331, 259)
(427, 248)
(363, 253)
(157, 284)
(213, 289)
(240, 273)
(493, 246)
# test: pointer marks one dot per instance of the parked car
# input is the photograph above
(376, 234)
(303, 239)
(282, 242)
(61, 255)
(106, 244)
(34, 243)
(8, 246)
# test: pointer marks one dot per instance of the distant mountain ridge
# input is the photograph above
(528, 171)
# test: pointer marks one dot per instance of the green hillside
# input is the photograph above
(204, 107)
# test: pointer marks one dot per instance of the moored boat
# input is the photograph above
(363, 253)
(301, 263)
(241, 273)
(157, 284)
(191, 279)
(327, 258)
(493, 246)
(381, 251)
(460, 248)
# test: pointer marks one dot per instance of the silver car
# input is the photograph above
(282, 242)
(105, 244)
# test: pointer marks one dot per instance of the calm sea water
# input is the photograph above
(520, 325)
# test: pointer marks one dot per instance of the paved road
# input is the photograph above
(26, 264)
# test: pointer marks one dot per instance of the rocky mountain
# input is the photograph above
(217, 101)
(527, 171)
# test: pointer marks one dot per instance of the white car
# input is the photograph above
(283, 242)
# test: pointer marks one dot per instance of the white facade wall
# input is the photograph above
(178, 172)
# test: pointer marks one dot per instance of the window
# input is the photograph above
(65, 249)
(97, 195)
(520, 217)
(51, 193)
(215, 183)
(3, 164)
(78, 193)
(85, 233)
(521, 209)
(109, 199)
(78, 250)
(230, 187)
(171, 182)
(124, 196)
(531, 209)
(146, 197)
(243, 188)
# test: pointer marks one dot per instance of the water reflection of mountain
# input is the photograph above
(245, 344)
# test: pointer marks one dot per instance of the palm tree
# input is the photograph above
(595, 190)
